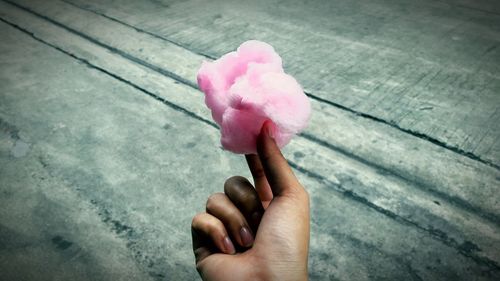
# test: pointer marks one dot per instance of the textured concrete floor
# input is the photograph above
(107, 150)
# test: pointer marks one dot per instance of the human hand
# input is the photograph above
(276, 210)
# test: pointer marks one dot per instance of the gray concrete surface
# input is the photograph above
(107, 150)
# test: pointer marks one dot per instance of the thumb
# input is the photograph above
(278, 173)
(284, 229)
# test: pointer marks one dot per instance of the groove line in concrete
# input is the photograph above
(416, 134)
(454, 200)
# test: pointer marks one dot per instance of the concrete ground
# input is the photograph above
(107, 150)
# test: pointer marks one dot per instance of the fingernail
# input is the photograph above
(228, 245)
(269, 129)
(246, 237)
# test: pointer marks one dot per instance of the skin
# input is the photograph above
(275, 213)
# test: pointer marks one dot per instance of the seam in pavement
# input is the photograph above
(349, 194)
(460, 203)
(462, 6)
(436, 233)
(163, 38)
(162, 100)
(119, 52)
(414, 133)
(425, 187)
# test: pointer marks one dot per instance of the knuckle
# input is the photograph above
(297, 192)
(307, 193)
(302, 193)
(235, 185)
(235, 218)
(248, 196)
(213, 200)
(248, 202)
(199, 267)
(234, 181)
(215, 229)
(259, 173)
(197, 219)
(267, 157)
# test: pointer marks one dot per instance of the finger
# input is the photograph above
(259, 177)
(202, 245)
(221, 207)
(246, 199)
(207, 232)
(279, 175)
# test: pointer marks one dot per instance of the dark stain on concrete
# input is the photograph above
(298, 155)
(61, 243)
(9, 129)
(42, 161)
(468, 247)
(119, 227)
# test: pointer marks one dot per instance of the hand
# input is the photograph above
(259, 233)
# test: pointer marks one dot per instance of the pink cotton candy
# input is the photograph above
(245, 88)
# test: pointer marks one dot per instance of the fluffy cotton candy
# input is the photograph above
(245, 88)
